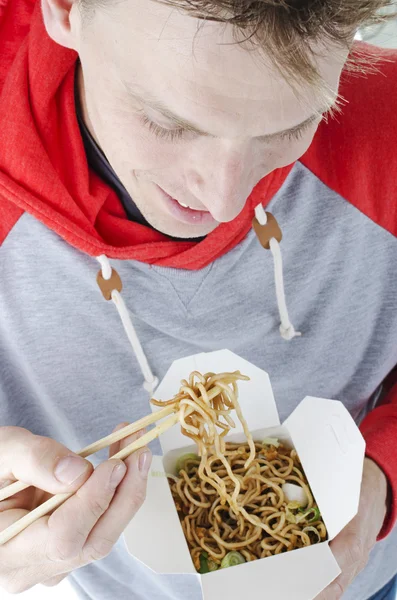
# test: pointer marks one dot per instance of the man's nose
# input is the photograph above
(223, 183)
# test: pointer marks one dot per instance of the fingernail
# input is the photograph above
(70, 468)
(117, 475)
(144, 462)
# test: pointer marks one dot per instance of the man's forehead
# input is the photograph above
(170, 39)
(168, 56)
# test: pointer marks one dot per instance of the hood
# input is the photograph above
(43, 165)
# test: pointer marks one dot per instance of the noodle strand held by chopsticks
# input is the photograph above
(230, 498)
(200, 412)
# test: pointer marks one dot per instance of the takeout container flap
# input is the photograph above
(256, 395)
(331, 450)
(299, 575)
(155, 536)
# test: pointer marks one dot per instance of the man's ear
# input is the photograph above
(57, 19)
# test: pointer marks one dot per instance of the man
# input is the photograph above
(146, 136)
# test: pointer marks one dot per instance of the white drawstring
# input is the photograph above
(151, 381)
(287, 330)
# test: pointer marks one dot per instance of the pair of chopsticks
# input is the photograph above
(56, 501)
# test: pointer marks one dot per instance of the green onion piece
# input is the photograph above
(181, 462)
(204, 568)
(316, 516)
(290, 511)
(312, 530)
(212, 565)
(311, 515)
(232, 559)
(290, 517)
(268, 441)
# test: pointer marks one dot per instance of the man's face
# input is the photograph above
(141, 59)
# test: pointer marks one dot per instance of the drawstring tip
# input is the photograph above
(288, 333)
(150, 386)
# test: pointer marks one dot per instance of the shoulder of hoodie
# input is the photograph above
(355, 152)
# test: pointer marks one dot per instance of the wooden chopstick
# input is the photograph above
(18, 486)
(56, 501)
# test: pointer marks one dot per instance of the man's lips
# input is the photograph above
(185, 214)
(199, 208)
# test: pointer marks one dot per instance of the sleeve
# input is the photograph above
(379, 429)
(353, 153)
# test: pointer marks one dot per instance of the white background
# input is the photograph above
(383, 36)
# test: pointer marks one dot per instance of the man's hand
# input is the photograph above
(353, 545)
(81, 530)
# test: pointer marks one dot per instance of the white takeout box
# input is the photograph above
(331, 449)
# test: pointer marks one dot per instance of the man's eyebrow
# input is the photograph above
(182, 123)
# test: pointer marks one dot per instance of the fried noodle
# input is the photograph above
(230, 496)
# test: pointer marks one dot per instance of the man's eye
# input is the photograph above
(178, 133)
(297, 134)
(161, 132)
(294, 135)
